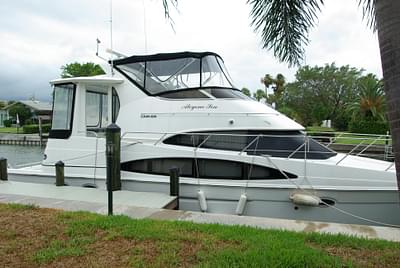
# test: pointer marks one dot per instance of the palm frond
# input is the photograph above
(368, 7)
(167, 13)
(284, 26)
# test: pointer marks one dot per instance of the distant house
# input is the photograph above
(38, 109)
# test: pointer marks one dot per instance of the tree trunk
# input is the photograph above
(388, 24)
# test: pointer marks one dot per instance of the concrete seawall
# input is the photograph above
(22, 139)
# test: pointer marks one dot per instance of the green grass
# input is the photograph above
(319, 129)
(12, 130)
(349, 138)
(91, 240)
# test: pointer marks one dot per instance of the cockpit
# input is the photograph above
(180, 75)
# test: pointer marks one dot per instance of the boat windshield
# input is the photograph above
(162, 73)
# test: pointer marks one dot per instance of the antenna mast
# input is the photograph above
(111, 40)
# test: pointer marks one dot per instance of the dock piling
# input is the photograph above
(60, 173)
(3, 169)
(174, 184)
(113, 156)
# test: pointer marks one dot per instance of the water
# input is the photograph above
(18, 154)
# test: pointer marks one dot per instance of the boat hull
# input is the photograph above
(368, 207)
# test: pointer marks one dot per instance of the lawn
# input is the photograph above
(10, 130)
(30, 237)
(349, 138)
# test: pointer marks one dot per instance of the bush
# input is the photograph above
(29, 129)
(368, 126)
(7, 123)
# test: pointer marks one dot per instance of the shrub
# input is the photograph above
(29, 129)
(368, 126)
(7, 123)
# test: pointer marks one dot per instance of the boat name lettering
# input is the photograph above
(199, 107)
(148, 116)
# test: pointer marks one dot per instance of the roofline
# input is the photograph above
(21, 101)
(164, 56)
(88, 79)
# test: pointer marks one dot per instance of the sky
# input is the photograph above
(37, 37)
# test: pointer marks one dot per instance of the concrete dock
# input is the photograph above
(76, 198)
(141, 205)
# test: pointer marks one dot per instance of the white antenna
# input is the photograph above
(111, 40)
(144, 27)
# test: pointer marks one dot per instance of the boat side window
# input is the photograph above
(272, 143)
(96, 107)
(63, 106)
(135, 71)
(212, 74)
(205, 168)
(220, 169)
(115, 105)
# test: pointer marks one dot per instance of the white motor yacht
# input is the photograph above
(235, 155)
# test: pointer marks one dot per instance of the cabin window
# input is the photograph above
(115, 105)
(272, 143)
(96, 107)
(205, 168)
(63, 105)
(212, 74)
(220, 169)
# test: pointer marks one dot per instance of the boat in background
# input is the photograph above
(235, 155)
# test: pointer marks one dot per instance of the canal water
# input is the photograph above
(19, 155)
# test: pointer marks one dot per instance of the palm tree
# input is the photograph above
(284, 27)
(277, 83)
(371, 101)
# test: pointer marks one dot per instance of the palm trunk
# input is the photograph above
(388, 23)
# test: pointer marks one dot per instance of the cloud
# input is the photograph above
(38, 37)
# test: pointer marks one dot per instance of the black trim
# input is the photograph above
(192, 88)
(164, 56)
(61, 133)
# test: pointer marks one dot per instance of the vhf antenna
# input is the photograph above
(111, 40)
(109, 50)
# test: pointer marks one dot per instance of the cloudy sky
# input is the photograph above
(37, 37)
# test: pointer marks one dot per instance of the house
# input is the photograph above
(39, 110)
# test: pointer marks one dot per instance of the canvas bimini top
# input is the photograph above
(166, 74)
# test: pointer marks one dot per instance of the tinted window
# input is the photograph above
(273, 143)
(185, 94)
(220, 169)
(205, 168)
(160, 166)
(115, 105)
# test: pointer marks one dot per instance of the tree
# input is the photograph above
(81, 69)
(246, 91)
(277, 84)
(371, 99)
(260, 94)
(24, 113)
(320, 93)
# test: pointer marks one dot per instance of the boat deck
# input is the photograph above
(73, 198)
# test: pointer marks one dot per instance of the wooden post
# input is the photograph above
(113, 156)
(60, 173)
(174, 184)
(3, 169)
